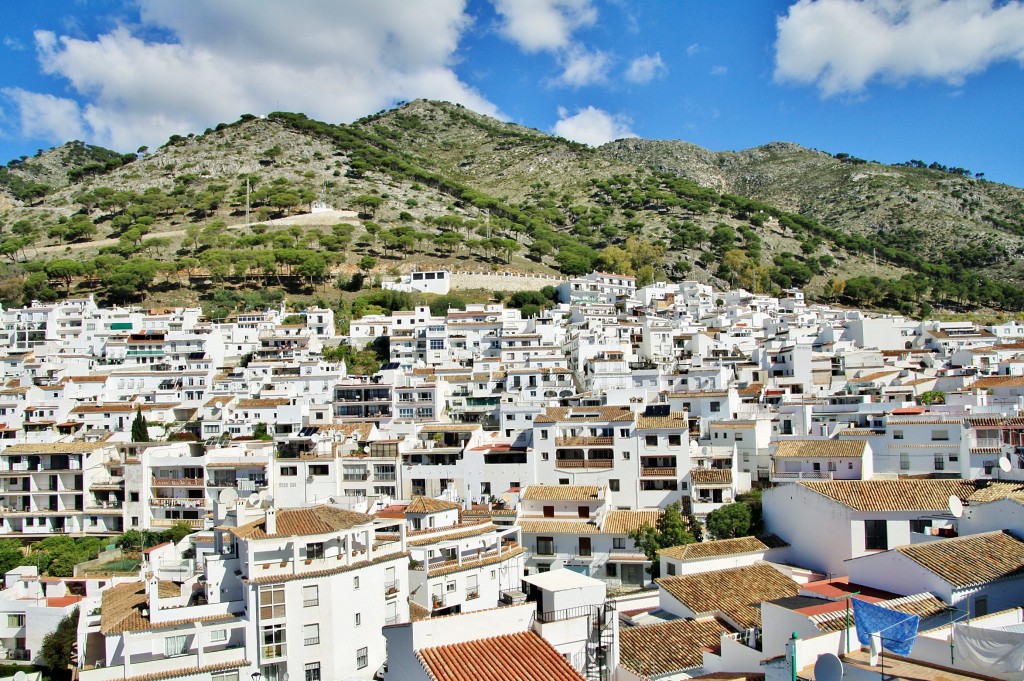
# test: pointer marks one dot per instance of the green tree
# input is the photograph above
(260, 432)
(178, 531)
(140, 430)
(932, 397)
(672, 530)
(58, 647)
(729, 521)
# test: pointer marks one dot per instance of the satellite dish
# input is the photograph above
(218, 404)
(227, 496)
(694, 448)
(20, 676)
(828, 668)
(956, 507)
(253, 499)
(1004, 464)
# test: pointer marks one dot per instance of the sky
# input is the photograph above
(883, 80)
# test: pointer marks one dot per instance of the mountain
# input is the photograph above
(434, 182)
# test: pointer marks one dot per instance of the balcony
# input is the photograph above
(472, 594)
(177, 502)
(803, 475)
(437, 601)
(584, 441)
(391, 619)
(661, 472)
(355, 477)
(584, 463)
(178, 482)
(391, 588)
(194, 523)
(112, 482)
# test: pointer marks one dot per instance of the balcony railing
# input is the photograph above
(472, 594)
(662, 471)
(392, 619)
(437, 601)
(803, 475)
(584, 441)
(178, 482)
(584, 463)
(391, 587)
(351, 477)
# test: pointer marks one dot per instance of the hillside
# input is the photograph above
(435, 183)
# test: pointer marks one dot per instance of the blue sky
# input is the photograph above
(886, 80)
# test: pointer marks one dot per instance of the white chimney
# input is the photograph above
(271, 521)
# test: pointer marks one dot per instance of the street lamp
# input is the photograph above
(255, 676)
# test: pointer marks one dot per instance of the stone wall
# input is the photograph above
(504, 281)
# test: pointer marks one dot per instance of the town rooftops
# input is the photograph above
(668, 647)
(893, 495)
(675, 420)
(721, 547)
(971, 560)
(564, 493)
(524, 656)
(812, 449)
(123, 607)
(711, 476)
(736, 593)
(304, 521)
(580, 414)
(621, 522)
(55, 448)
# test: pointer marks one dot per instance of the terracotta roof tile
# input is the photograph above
(450, 428)
(56, 448)
(923, 605)
(474, 564)
(893, 495)
(812, 449)
(668, 647)
(621, 522)
(716, 548)
(262, 404)
(429, 505)
(558, 526)
(971, 560)
(711, 476)
(676, 419)
(584, 414)
(735, 592)
(304, 521)
(514, 657)
(563, 493)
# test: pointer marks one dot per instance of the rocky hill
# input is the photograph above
(435, 183)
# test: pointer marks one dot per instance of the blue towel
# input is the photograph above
(897, 629)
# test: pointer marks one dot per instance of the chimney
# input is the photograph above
(271, 521)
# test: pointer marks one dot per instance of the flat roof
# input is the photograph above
(557, 580)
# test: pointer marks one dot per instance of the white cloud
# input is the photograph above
(692, 49)
(13, 44)
(46, 116)
(592, 126)
(224, 59)
(646, 68)
(543, 25)
(719, 70)
(841, 45)
(581, 67)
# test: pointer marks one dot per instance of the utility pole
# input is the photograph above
(247, 191)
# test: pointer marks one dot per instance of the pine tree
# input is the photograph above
(140, 430)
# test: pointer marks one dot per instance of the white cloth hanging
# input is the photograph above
(990, 649)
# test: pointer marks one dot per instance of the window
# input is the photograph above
(832, 465)
(543, 567)
(449, 587)
(314, 550)
(229, 675)
(651, 440)
(272, 638)
(549, 511)
(670, 568)
(613, 484)
(543, 435)
(584, 547)
(897, 435)
(175, 645)
(358, 619)
(611, 569)
(313, 671)
(563, 481)
(311, 634)
(436, 344)
(545, 546)
(310, 596)
(133, 496)
(675, 440)
(876, 535)
(15, 620)
(543, 456)
(618, 542)
(271, 601)
(623, 432)
(625, 456)
(355, 583)
(485, 488)
(904, 461)
(218, 635)
(582, 511)
(289, 471)
(318, 469)
(940, 462)
(940, 435)
(362, 658)
(921, 526)
(716, 406)
(980, 606)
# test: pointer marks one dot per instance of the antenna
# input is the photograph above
(227, 496)
(828, 667)
(956, 507)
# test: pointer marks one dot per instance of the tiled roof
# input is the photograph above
(676, 419)
(971, 560)
(262, 404)
(711, 476)
(514, 657)
(995, 491)
(584, 414)
(429, 505)
(55, 448)
(450, 427)
(621, 522)
(327, 572)
(997, 382)
(304, 521)
(736, 592)
(563, 493)
(122, 607)
(668, 647)
(558, 526)
(439, 536)
(811, 449)
(893, 495)
(714, 549)
(474, 564)
(179, 672)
